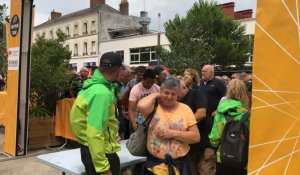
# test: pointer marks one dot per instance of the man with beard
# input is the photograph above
(213, 89)
(93, 118)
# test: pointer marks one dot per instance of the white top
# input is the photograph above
(70, 161)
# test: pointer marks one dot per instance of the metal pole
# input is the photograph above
(24, 76)
(98, 35)
(158, 40)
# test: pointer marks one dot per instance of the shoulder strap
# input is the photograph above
(245, 117)
(149, 118)
(227, 117)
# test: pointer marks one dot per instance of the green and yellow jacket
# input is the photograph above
(93, 120)
(220, 120)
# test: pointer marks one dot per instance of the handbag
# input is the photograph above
(136, 144)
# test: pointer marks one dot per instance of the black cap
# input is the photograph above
(158, 70)
(110, 59)
(149, 73)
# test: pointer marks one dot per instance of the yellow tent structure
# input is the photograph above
(8, 99)
(14, 101)
(275, 125)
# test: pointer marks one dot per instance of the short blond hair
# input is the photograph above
(237, 90)
(187, 81)
(195, 75)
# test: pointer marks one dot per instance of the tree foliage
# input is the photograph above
(1, 21)
(48, 76)
(204, 36)
(3, 54)
(3, 57)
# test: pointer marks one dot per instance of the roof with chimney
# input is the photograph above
(228, 9)
(102, 7)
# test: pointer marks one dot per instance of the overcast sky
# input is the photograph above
(167, 8)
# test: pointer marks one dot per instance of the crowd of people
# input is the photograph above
(185, 133)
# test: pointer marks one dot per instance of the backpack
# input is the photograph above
(235, 142)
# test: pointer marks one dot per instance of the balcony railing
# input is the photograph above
(93, 53)
(84, 54)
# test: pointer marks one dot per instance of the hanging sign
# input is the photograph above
(14, 25)
(13, 58)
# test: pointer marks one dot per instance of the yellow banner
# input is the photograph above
(275, 126)
(8, 99)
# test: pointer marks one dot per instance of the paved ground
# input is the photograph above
(1, 138)
(26, 165)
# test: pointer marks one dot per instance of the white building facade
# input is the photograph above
(139, 50)
(85, 30)
(250, 30)
(136, 50)
(250, 25)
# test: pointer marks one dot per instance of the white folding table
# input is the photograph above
(69, 161)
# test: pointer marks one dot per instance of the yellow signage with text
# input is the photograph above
(8, 99)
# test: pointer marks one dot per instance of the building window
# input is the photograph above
(93, 52)
(250, 59)
(93, 27)
(76, 30)
(57, 31)
(85, 28)
(51, 34)
(121, 52)
(72, 66)
(68, 31)
(84, 49)
(142, 55)
(89, 64)
(134, 58)
(75, 50)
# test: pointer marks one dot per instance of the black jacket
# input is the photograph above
(181, 163)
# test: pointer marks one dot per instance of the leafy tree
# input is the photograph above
(48, 77)
(204, 36)
(1, 21)
(3, 54)
(3, 57)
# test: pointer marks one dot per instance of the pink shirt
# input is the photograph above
(138, 91)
